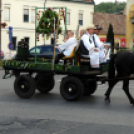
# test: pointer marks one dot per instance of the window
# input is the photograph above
(26, 15)
(7, 13)
(14, 42)
(80, 19)
(68, 18)
(27, 40)
(32, 15)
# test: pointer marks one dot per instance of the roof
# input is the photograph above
(118, 22)
(80, 1)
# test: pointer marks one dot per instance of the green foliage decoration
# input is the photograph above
(46, 22)
(2, 63)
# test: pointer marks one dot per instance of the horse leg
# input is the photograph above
(126, 90)
(108, 92)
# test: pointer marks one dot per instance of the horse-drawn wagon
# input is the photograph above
(38, 73)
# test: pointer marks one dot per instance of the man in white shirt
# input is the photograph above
(67, 47)
(97, 29)
(99, 44)
(93, 53)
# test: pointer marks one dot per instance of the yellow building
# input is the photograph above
(130, 23)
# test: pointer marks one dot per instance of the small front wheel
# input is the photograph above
(71, 88)
(24, 86)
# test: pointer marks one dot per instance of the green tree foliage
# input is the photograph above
(110, 37)
(110, 7)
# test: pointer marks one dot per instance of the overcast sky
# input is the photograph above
(99, 1)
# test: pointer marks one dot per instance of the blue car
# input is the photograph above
(43, 51)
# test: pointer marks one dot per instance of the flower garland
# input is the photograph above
(46, 22)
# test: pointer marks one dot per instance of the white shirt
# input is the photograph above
(98, 43)
(100, 46)
(89, 45)
(94, 56)
(68, 46)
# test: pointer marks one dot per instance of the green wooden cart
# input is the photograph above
(32, 74)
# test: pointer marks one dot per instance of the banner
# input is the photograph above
(123, 42)
(103, 40)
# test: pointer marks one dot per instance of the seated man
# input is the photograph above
(99, 44)
(97, 29)
(91, 52)
(82, 32)
(66, 48)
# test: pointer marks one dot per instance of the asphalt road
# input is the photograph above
(51, 114)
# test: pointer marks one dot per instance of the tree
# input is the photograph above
(110, 7)
(110, 37)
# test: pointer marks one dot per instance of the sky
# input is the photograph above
(99, 1)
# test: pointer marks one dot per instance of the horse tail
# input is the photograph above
(111, 71)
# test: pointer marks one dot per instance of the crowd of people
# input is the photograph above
(92, 47)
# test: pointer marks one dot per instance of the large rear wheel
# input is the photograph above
(71, 88)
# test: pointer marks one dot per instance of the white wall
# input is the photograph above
(21, 29)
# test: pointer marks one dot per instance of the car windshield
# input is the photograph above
(32, 51)
(44, 50)
(48, 49)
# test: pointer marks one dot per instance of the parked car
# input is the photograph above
(43, 51)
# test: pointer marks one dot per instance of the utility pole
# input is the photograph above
(44, 11)
(0, 29)
(44, 4)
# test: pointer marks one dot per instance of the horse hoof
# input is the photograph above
(107, 100)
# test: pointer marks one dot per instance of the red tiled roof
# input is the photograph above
(118, 22)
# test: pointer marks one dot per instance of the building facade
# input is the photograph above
(118, 22)
(20, 14)
(130, 23)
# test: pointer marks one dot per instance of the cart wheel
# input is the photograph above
(91, 88)
(71, 88)
(24, 86)
(45, 85)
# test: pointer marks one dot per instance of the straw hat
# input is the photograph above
(91, 26)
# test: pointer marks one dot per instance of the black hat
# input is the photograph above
(98, 28)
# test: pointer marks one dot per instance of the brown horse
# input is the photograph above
(124, 64)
